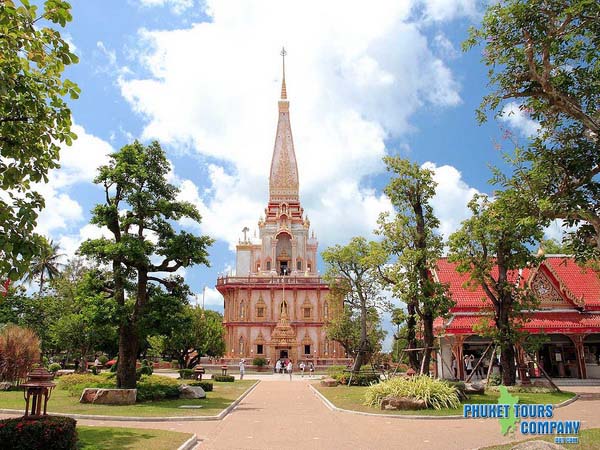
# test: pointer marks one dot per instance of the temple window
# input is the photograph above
(259, 349)
(326, 310)
(306, 312)
(242, 310)
(260, 311)
(309, 267)
(241, 345)
(307, 349)
(298, 265)
(268, 265)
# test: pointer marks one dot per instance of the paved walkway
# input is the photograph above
(282, 414)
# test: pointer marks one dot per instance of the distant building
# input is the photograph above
(568, 315)
(276, 305)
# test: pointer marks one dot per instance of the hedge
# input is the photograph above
(186, 374)
(206, 385)
(223, 378)
(49, 432)
(156, 387)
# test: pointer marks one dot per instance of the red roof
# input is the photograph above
(583, 283)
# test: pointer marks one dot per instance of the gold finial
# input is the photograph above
(283, 90)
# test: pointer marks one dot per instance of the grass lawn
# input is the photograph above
(352, 397)
(105, 438)
(588, 440)
(62, 402)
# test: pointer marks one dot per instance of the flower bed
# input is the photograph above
(48, 432)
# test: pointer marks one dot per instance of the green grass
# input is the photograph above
(352, 397)
(62, 402)
(105, 438)
(588, 440)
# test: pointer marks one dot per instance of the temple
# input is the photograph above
(276, 305)
(566, 320)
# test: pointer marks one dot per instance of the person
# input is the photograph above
(290, 366)
(469, 364)
(311, 368)
(242, 368)
(454, 368)
(97, 362)
(76, 364)
(302, 366)
(278, 366)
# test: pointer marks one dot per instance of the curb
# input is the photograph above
(220, 416)
(189, 444)
(332, 407)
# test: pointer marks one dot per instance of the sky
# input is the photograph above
(364, 80)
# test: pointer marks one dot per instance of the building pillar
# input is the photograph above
(457, 351)
(578, 341)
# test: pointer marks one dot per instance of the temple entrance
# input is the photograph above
(283, 354)
(558, 357)
(283, 268)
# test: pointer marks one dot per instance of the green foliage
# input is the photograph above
(206, 385)
(436, 394)
(156, 387)
(76, 383)
(545, 55)
(57, 433)
(103, 359)
(365, 377)
(460, 387)
(54, 367)
(34, 120)
(223, 378)
(259, 362)
(345, 328)
(186, 374)
(495, 380)
(145, 369)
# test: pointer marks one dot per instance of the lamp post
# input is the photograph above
(38, 385)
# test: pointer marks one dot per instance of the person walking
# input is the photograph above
(290, 367)
(242, 368)
(302, 367)
(278, 366)
(311, 369)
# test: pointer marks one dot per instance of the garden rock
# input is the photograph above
(329, 382)
(108, 396)
(474, 388)
(537, 445)
(402, 403)
(5, 386)
(191, 392)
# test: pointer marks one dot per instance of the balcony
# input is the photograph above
(271, 281)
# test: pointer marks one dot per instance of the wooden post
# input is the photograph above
(478, 363)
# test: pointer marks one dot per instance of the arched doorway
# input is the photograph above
(558, 357)
(591, 354)
(284, 253)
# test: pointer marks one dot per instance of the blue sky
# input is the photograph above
(203, 78)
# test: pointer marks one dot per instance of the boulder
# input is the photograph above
(191, 392)
(537, 445)
(474, 388)
(402, 403)
(5, 386)
(108, 396)
(329, 382)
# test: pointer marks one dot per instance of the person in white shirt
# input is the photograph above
(278, 366)
(242, 368)
(290, 366)
(302, 366)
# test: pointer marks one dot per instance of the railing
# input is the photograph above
(288, 280)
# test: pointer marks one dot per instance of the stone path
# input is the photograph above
(280, 414)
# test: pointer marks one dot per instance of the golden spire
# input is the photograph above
(283, 90)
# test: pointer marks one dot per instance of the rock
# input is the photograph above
(191, 392)
(537, 445)
(329, 382)
(5, 386)
(402, 403)
(108, 396)
(474, 388)
(62, 372)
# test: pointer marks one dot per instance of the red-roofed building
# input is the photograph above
(568, 314)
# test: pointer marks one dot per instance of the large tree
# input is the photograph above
(34, 120)
(351, 273)
(411, 238)
(544, 55)
(492, 247)
(140, 209)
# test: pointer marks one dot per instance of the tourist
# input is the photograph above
(302, 366)
(454, 368)
(469, 364)
(278, 366)
(290, 366)
(242, 368)
(311, 368)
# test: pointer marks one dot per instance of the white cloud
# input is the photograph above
(69, 243)
(451, 197)
(353, 81)
(517, 118)
(445, 47)
(177, 6)
(444, 10)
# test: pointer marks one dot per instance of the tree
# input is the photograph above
(346, 329)
(139, 210)
(493, 246)
(45, 265)
(401, 340)
(351, 273)
(410, 237)
(545, 55)
(34, 120)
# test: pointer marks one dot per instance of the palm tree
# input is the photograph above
(45, 265)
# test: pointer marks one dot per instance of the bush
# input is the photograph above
(206, 385)
(259, 362)
(186, 374)
(460, 387)
(19, 350)
(174, 364)
(223, 378)
(436, 394)
(156, 387)
(48, 432)
(146, 369)
(54, 367)
(103, 359)
(365, 377)
(76, 383)
(495, 380)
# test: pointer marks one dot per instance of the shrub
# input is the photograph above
(146, 369)
(460, 387)
(259, 362)
(365, 377)
(174, 364)
(54, 367)
(223, 378)
(186, 374)
(76, 383)
(156, 387)
(435, 393)
(206, 385)
(103, 359)
(495, 380)
(48, 432)
(19, 350)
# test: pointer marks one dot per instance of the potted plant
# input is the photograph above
(259, 363)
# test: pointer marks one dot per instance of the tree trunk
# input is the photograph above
(411, 336)
(128, 349)
(428, 339)
(507, 356)
(364, 348)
